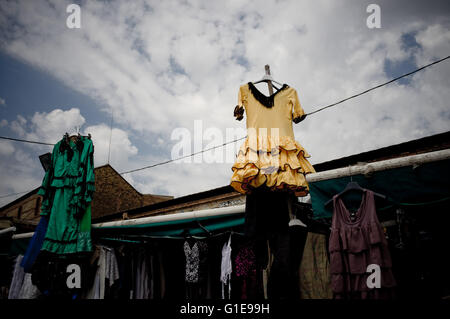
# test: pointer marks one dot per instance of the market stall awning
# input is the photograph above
(412, 180)
(200, 223)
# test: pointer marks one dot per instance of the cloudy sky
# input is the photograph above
(155, 66)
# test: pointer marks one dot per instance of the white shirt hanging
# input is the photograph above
(226, 268)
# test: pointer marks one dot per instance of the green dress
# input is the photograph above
(67, 191)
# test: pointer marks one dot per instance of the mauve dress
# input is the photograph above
(353, 246)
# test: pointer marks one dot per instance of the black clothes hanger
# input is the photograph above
(352, 186)
(188, 237)
(204, 228)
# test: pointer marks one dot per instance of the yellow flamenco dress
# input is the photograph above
(270, 157)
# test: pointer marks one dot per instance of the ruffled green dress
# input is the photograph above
(67, 191)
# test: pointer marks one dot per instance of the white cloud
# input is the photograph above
(6, 148)
(50, 127)
(162, 65)
(121, 147)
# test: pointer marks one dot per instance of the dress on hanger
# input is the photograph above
(67, 189)
(270, 155)
(353, 246)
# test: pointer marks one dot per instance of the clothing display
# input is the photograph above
(142, 290)
(353, 246)
(192, 261)
(196, 263)
(17, 279)
(21, 284)
(35, 245)
(270, 155)
(107, 272)
(193, 255)
(67, 191)
(246, 272)
(226, 268)
(28, 290)
(314, 272)
(266, 272)
(267, 220)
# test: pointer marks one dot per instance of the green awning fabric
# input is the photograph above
(195, 227)
(136, 233)
(428, 183)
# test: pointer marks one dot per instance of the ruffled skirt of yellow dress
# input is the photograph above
(279, 164)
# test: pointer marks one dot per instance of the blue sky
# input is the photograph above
(27, 90)
(159, 66)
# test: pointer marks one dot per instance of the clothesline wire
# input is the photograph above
(378, 86)
(24, 141)
(179, 158)
(202, 151)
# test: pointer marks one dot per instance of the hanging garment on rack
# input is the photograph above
(35, 244)
(314, 272)
(297, 239)
(266, 271)
(246, 272)
(270, 155)
(192, 261)
(67, 191)
(17, 279)
(226, 268)
(107, 272)
(353, 246)
(142, 275)
(195, 275)
(193, 255)
(28, 290)
(267, 220)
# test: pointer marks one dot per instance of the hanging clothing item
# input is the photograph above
(270, 155)
(297, 240)
(314, 272)
(17, 279)
(356, 244)
(111, 266)
(28, 290)
(266, 272)
(107, 272)
(35, 245)
(192, 261)
(142, 276)
(245, 263)
(267, 220)
(97, 290)
(196, 269)
(67, 191)
(195, 260)
(226, 268)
